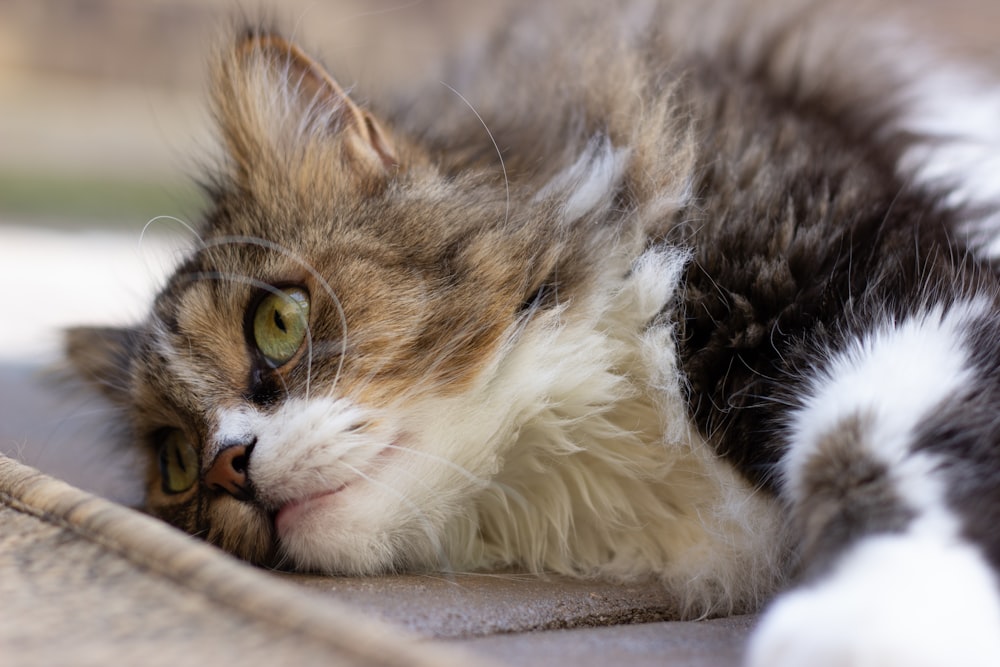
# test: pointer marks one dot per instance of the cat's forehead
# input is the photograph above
(413, 213)
(213, 281)
(198, 329)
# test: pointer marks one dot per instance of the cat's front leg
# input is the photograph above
(891, 601)
(890, 453)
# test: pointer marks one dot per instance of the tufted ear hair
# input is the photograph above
(270, 96)
(102, 357)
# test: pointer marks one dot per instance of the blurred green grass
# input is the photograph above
(74, 199)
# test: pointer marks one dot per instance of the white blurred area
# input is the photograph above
(52, 279)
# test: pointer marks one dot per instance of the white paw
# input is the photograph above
(893, 601)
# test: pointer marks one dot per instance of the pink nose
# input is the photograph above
(229, 471)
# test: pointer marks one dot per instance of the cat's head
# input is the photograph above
(339, 364)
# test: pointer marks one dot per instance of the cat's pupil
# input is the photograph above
(280, 322)
(179, 459)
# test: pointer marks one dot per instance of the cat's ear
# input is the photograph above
(102, 357)
(270, 95)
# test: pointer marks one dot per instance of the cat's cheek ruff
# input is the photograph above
(602, 472)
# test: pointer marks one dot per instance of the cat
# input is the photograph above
(647, 291)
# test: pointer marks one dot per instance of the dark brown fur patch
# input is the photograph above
(845, 494)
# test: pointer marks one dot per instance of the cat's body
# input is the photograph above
(709, 320)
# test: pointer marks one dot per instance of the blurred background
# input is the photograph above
(101, 101)
(103, 124)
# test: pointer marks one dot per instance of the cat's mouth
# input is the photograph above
(291, 512)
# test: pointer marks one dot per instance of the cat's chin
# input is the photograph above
(305, 533)
(294, 514)
(324, 532)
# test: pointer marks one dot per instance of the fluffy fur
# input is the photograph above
(653, 292)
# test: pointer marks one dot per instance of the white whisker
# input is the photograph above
(503, 168)
(446, 462)
(152, 221)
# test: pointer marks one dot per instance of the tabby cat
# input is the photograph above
(650, 291)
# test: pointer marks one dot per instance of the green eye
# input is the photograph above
(178, 462)
(280, 323)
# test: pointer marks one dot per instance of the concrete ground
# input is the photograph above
(524, 620)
